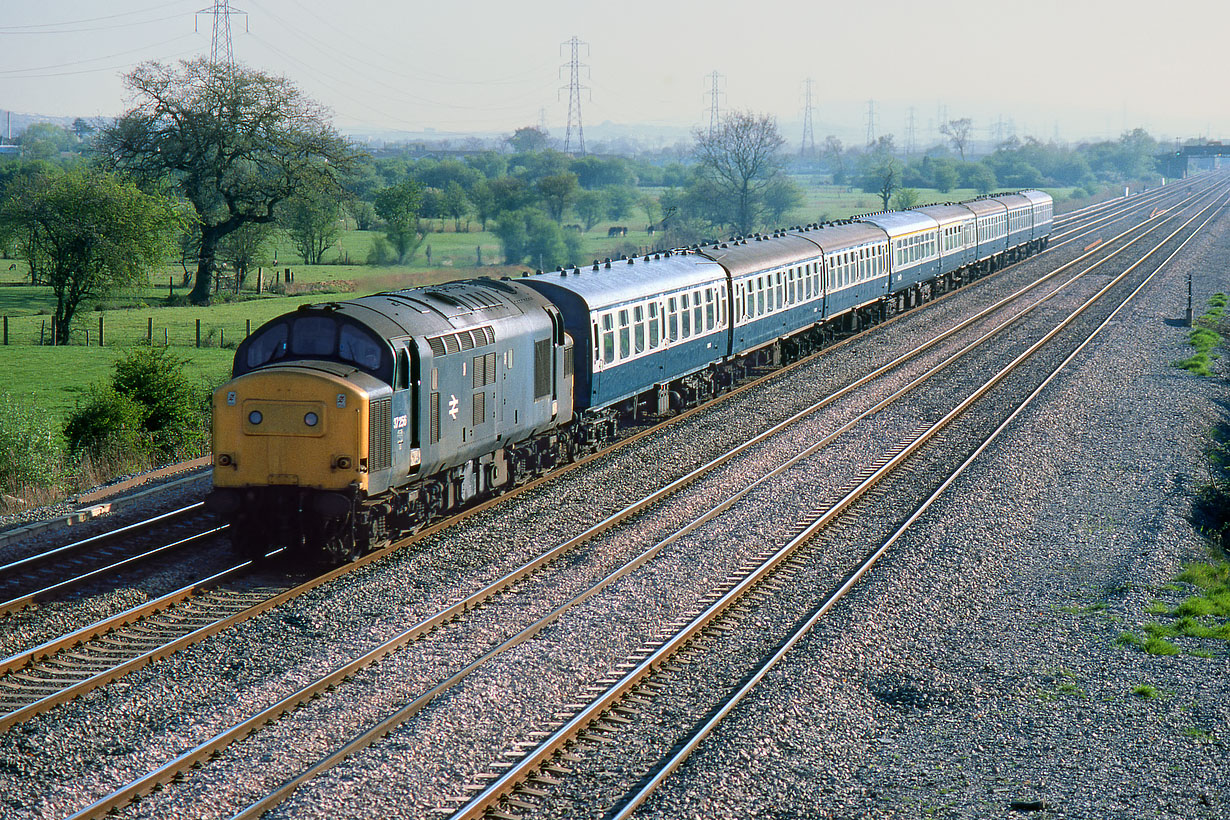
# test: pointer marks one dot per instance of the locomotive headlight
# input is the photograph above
(255, 417)
(311, 419)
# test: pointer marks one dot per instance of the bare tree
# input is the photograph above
(739, 160)
(234, 142)
(958, 131)
(887, 176)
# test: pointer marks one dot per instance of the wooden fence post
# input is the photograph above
(149, 331)
(260, 281)
(6, 331)
(87, 337)
(198, 332)
(166, 341)
(100, 326)
(247, 329)
(42, 330)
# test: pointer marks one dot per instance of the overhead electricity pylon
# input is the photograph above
(222, 52)
(574, 66)
(714, 92)
(808, 147)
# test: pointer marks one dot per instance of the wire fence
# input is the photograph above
(100, 332)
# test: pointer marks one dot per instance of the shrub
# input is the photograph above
(31, 453)
(148, 412)
(107, 433)
(173, 410)
(381, 253)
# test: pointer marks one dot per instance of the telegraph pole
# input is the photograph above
(574, 67)
(714, 92)
(808, 147)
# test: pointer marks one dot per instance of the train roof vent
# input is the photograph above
(499, 285)
(445, 298)
(436, 343)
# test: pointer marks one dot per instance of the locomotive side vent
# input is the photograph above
(435, 418)
(380, 435)
(484, 370)
(480, 408)
(542, 368)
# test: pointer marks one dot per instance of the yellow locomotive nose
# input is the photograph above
(290, 426)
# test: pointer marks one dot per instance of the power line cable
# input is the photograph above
(22, 29)
(22, 71)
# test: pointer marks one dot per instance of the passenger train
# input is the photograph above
(348, 423)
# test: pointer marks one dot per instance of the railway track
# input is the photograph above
(59, 670)
(702, 635)
(55, 571)
(424, 628)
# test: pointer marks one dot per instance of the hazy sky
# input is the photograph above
(1077, 68)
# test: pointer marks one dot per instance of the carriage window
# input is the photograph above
(709, 313)
(759, 297)
(314, 336)
(698, 318)
(654, 329)
(686, 316)
(638, 336)
(672, 319)
(625, 335)
(608, 338)
(267, 345)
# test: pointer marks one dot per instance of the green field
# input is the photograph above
(53, 378)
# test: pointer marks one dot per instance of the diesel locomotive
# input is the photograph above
(348, 423)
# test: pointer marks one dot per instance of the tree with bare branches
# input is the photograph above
(738, 161)
(959, 132)
(234, 142)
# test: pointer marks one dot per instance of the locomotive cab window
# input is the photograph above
(357, 346)
(320, 337)
(267, 345)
